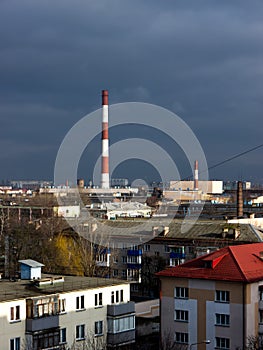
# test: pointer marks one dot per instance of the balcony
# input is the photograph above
(115, 340)
(121, 309)
(134, 266)
(134, 252)
(38, 324)
(175, 255)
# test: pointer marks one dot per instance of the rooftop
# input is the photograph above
(241, 263)
(10, 290)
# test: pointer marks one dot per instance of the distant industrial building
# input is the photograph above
(210, 187)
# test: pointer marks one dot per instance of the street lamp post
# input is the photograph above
(201, 342)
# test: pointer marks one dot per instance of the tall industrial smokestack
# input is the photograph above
(105, 177)
(196, 176)
(239, 199)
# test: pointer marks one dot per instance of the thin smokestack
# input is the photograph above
(196, 176)
(239, 199)
(105, 177)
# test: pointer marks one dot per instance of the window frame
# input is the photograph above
(181, 315)
(184, 338)
(222, 296)
(80, 303)
(15, 343)
(98, 299)
(181, 292)
(98, 328)
(80, 332)
(15, 314)
(219, 343)
(222, 320)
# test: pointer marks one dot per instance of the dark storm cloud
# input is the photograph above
(201, 59)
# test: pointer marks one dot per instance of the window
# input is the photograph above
(157, 253)
(167, 249)
(15, 344)
(124, 273)
(222, 296)
(122, 324)
(181, 315)
(80, 302)
(80, 332)
(121, 295)
(98, 299)
(222, 320)
(260, 316)
(15, 313)
(46, 339)
(181, 292)
(117, 296)
(62, 305)
(222, 343)
(115, 273)
(63, 335)
(181, 337)
(99, 328)
(146, 247)
(124, 259)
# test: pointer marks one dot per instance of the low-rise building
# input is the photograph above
(57, 312)
(217, 297)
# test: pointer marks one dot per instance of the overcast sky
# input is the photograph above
(203, 60)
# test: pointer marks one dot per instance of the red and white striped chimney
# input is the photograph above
(196, 176)
(105, 177)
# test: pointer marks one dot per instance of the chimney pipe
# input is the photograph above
(105, 178)
(196, 176)
(239, 199)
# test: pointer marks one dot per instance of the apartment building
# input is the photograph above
(55, 312)
(216, 297)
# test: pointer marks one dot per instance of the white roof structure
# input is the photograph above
(31, 263)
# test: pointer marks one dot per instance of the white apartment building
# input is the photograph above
(66, 313)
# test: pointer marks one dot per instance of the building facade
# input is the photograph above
(66, 313)
(217, 297)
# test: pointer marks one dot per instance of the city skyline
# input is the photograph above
(201, 61)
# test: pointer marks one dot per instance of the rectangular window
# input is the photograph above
(115, 273)
(222, 296)
(122, 324)
(15, 344)
(117, 296)
(98, 299)
(62, 305)
(124, 259)
(124, 273)
(222, 320)
(121, 295)
(181, 337)
(222, 343)
(181, 292)
(181, 315)
(63, 335)
(80, 332)
(15, 313)
(167, 249)
(260, 316)
(80, 303)
(99, 328)
(146, 247)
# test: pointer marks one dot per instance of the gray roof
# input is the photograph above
(31, 263)
(21, 289)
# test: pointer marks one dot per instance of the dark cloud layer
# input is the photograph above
(201, 59)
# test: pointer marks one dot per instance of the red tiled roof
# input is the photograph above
(234, 263)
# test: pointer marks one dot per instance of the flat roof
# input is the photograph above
(21, 289)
